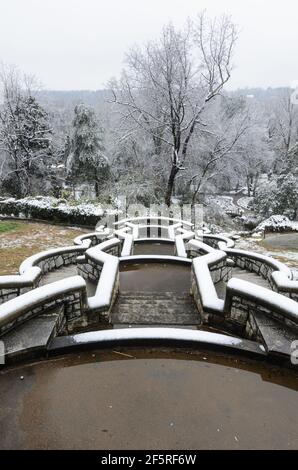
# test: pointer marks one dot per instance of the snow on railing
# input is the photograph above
(128, 240)
(108, 276)
(203, 288)
(90, 239)
(216, 241)
(184, 235)
(267, 302)
(70, 292)
(149, 219)
(52, 259)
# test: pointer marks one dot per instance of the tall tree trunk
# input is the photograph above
(170, 185)
(96, 188)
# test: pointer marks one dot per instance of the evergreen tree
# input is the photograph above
(86, 161)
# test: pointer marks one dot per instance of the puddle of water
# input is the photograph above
(154, 249)
(131, 399)
(155, 277)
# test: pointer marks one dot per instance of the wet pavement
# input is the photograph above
(131, 399)
(155, 277)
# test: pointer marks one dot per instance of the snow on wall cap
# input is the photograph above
(25, 280)
(151, 217)
(229, 243)
(263, 295)
(24, 303)
(35, 259)
(265, 259)
(186, 234)
(86, 238)
(157, 258)
(180, 248)
(284, 283)
(209, 298)
(105, 287)
(198, 245)
(156, 333)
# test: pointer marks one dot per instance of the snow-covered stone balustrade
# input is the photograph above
(221, 300)
(243, 300)
(71, 293)
(33, 268)
(153, 227)
(278, 275)
(101, 265)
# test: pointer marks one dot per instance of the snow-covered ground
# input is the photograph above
(288, 255)
(223, 202)
(243, 202)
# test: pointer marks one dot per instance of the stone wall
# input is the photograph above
(91, 270)
(56, 262)
(14, 291)
(70, 294)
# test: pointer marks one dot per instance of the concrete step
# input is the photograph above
(155, 295)
(150, 308)
(277, 337)
(31, 338)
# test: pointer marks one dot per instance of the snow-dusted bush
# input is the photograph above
(49, 208)
(278, 223)
(245, 202)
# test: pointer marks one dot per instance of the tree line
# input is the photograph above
(166, 130)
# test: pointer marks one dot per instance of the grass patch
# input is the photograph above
(9, 226)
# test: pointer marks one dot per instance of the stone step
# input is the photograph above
(277, 337)
(160, 300)
(31, 338)
(155, 295)
(155, 308)
(155, 318)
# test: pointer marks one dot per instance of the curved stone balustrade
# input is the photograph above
(52, 259)
(32, 269)
(102, 266)
(137, 220)
(243, 298)
(91, 239)
(180, 239)
(279, 276)
(127, 238)
(215, 241)
(70, 292)
(155, 259)
(15, 285)
(156, 336)
(99, 253)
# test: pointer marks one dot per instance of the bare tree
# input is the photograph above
(167, 85)
(283, 129)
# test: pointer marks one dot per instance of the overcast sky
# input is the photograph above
(80, 44)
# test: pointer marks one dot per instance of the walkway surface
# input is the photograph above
(133, 399)
(64, 273)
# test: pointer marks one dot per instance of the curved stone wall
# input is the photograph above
(98, 254)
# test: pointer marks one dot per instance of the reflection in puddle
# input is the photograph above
(155, 277)
(132, 399)
(154, 248)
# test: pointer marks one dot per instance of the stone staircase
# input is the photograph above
(155, 308)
